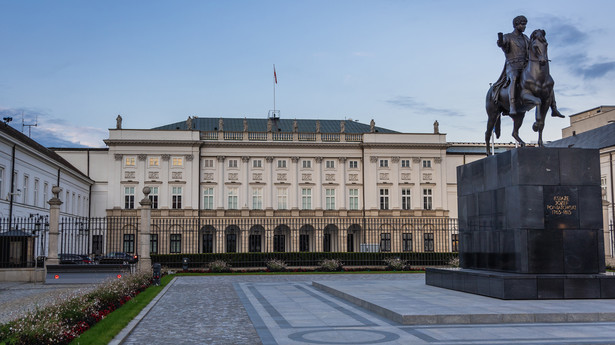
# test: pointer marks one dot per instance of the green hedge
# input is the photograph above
(241, 260)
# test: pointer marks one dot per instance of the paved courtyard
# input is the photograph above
(289, 309)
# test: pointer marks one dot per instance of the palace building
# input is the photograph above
(281, 185)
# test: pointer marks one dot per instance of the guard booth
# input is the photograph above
(16, 249)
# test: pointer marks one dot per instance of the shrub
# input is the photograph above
(330, 265)
(396, 264)
(275, 265)
(72, 315)
(454, 262)
(219, 266)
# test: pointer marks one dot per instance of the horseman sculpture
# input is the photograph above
(525, 83)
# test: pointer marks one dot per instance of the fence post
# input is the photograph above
(54, 226)
(145, 262)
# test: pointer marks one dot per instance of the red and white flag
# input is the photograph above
(275, 76)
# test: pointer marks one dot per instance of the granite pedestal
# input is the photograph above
(530, 226)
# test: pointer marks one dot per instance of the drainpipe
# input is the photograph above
(363, 167)
(612, 199)
(11, 194)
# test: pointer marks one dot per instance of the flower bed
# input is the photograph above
(62, 322)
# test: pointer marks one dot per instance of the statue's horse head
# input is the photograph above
(538, 47)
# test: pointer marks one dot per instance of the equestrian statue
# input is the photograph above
(525, 83)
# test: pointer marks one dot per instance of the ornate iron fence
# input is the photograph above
(22, 241)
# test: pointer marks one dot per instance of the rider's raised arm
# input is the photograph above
(502, 43)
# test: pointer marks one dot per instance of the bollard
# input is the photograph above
(157, 272)
(185, 263)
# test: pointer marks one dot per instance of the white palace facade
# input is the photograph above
(238, 174)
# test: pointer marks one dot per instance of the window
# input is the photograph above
(232, 199)
(231, 243)
(384, 163)
(406, 242)
(153, 243)
(36, 186)
(426, 163)
(130, 161)
(353, 201)
(428, 236)
(208, 198)
(282, 198)
(177, 161)
(176, 198)
(330, 199)
(154, 161)
(24, 191)
(67, 206)
(353, 164)
(232, 163)
(455, 242)
(384, 199)
(279, 243)
(304, 242)
(257, 163)
(282, 163)
(45, 194)
(1, 182)
(97, 241)
(208, 163)
(208, 242)
(129, 243)
(306, 198)
(153, 197)
(405, 199)
(603, 185)
(254, 243)
(330, 164)
(405, 163)
(385, 242)
(326, 242)
(176, 243)
(307, 164)
(129, 198)
(257, 198)
(427, 199)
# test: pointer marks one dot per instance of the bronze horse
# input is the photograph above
(536, 90)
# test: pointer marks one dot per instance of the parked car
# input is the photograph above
(119, 258)
(74, 259)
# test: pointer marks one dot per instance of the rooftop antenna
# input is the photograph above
(29, 125)
(274, 114)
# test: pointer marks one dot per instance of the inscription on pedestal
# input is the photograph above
(561, 208)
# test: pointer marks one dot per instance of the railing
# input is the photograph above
(307, 136)
(257, 136)
(282, 136)
(233, 135)
(353, 137)
(330, 137)
(209, 135)
(421, 238)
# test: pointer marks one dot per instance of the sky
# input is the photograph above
(71, 67)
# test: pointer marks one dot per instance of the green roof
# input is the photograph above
(210, 124)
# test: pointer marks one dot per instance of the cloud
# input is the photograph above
(412, 104)
(563, 34)
(596, 70)
(54, 132)
(569, 39)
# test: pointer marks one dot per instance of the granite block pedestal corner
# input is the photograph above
(541, 210)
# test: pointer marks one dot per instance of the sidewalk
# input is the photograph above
(288, 309)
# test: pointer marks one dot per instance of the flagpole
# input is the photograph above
(274, 76)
